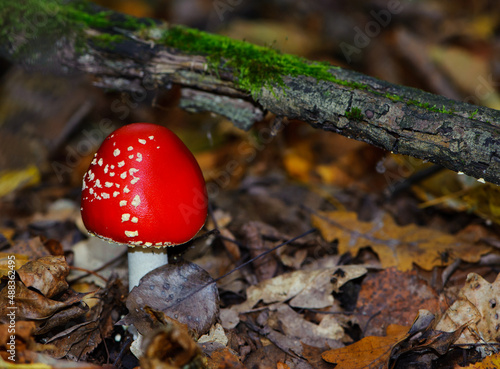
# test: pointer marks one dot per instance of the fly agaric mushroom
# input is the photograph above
(145, 189)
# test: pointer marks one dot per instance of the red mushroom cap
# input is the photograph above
(144, 187)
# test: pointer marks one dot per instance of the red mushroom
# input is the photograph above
(145, 189)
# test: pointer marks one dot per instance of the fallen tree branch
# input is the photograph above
(242, 81)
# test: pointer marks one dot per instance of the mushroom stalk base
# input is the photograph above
(143, 260)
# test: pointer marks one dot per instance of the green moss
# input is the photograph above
(254, 66)
(105, 40)
(31, 27)
(24, 23)
(354, 114)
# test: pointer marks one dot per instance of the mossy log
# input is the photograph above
(242, 81)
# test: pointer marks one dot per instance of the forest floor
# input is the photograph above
(355, 257)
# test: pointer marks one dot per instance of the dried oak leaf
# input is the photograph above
(47, 275)
(183, 291)
(478, 307)
(395, 245)
(369, 352)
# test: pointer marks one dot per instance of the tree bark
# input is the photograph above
(459, 136)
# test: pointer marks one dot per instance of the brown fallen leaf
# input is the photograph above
(81, 337)
(47, 275)
(265, 267)
(393, 297)
(369, 352)
(477, 307)
(171, 348)
(423, 343)
(395, 245)
(16, 340)
(31, 305)
(224, 358)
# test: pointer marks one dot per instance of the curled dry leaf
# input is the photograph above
(31, 305)
(478, 307)
(77, 340)
(171, 348)
(183, 291)
(422, 342)
(47, 275)
(395, 245)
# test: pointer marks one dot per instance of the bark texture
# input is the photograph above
(456, 135)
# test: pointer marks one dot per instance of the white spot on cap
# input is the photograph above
(100, 162)
(134, 220)
(139, 157)
(126, 190)
(123, 175)
(123, 203)
(125, 217)
(105, 195)
(159, 244)
(112, 174)
(131, 156)
(136, 201)
(108, 184)
(134, 181)
(132, 171)
(112, 166)
(91, 176)
(116, 193)
(142, 141)
(131, 233)
(151, 137)
(148, 244)
(98, 183)
(130, 148)
(157, 147)
(106, 168)
(116, 152)
(91, 190)
(121, 163)
(117, 185)
(94, 162)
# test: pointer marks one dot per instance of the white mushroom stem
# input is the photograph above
(143, 260)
